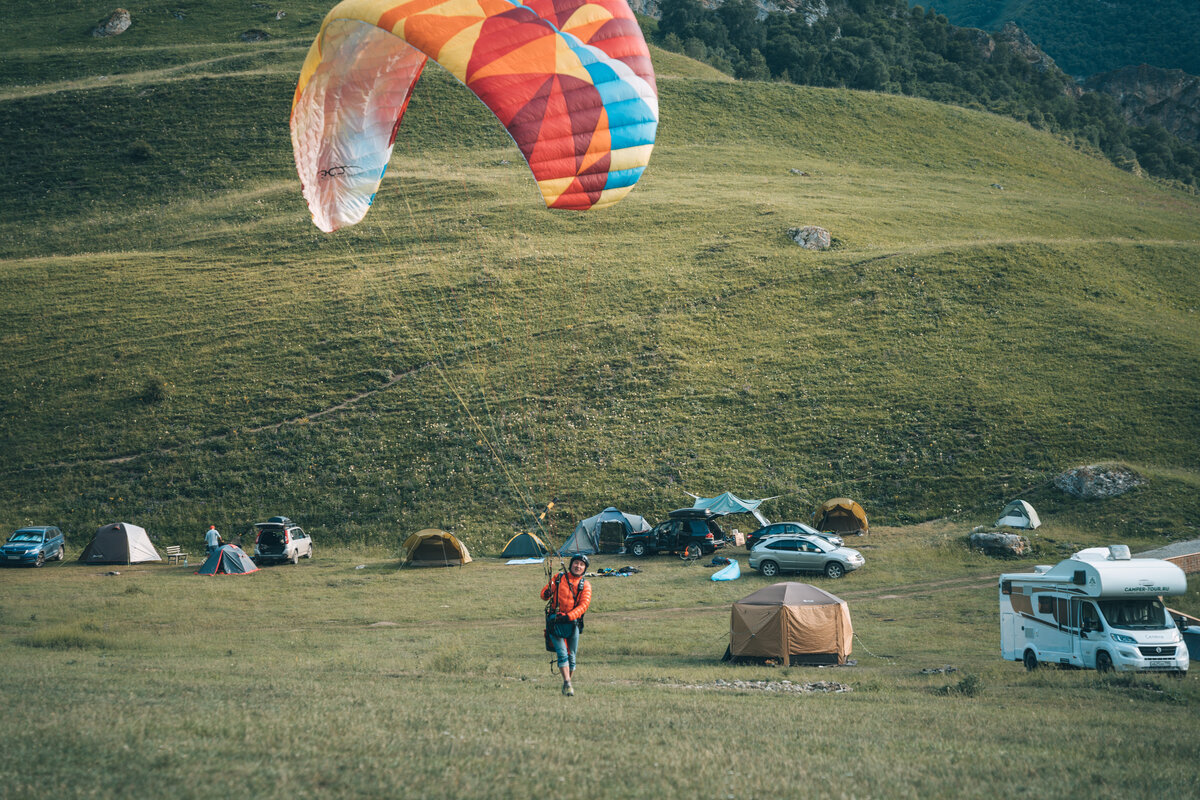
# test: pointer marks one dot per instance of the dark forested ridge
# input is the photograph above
(884, 45)
(1086, 37)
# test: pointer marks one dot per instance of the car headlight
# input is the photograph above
(1123, 639)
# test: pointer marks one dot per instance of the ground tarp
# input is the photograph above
(434, 548)
(729, 503)
(119, 543)
(793, 622)
(229, 559)
(841, 515)
(604, 532)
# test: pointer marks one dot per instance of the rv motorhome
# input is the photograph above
(1098, 609)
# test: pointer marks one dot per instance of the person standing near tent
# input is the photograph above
(567, 597)
(212, 539)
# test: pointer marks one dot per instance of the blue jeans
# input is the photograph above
(565, 649)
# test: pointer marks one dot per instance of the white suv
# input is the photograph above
(278, 539)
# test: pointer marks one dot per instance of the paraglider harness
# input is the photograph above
(560, 630)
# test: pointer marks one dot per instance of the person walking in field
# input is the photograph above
(212, 539)
(567, 597)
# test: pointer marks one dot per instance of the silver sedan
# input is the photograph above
(787, 553)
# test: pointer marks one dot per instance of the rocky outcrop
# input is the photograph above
(810, 237)
(998, 543)
(1146, 94)
(1098, 481)
(117, 23)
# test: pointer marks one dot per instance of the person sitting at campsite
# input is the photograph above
(568, 595)
(212, 539)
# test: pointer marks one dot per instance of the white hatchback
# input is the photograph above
(280, 540)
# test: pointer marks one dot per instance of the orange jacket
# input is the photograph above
(565, 603)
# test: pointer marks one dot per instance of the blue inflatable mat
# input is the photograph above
(729, 573)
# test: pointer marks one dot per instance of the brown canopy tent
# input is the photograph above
(434, 548)
(841, 515)
(793, 622)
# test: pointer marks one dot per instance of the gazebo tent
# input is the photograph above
(524, 545)
(434, 548)
(609, 527)
(229, 559)
(729, 503)
(119, 543)
(1019, 514)
(793, 622)
(841, 515)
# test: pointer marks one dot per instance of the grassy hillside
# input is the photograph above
(185, 347)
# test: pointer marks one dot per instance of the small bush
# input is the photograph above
(970, 686)
(140, 152)
(154, 391)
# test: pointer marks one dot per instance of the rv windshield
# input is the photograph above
(1136, 613)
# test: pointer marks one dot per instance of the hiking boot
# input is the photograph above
(568, 690)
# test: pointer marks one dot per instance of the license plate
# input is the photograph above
(13, 558)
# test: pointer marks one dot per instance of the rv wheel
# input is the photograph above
(1031, 661)
(1103, 662)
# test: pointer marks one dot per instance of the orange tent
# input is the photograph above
(841, 515)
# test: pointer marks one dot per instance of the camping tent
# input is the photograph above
(524, 545)
(1019, 514)
(603, 533)
(229, 559)
(841, 515)
(729, 503)
(119, 543)
(794, 622)
(434, 548)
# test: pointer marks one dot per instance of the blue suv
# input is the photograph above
(33, 546)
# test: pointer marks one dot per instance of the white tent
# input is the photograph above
(1019, 514)
(120, 543)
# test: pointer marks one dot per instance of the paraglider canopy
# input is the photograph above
(571, 81)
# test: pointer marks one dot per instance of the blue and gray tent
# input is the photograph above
(604, 532)
(228, 560)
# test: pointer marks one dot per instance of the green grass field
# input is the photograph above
(183, 347)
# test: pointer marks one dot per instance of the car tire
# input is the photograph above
(41, 559)
(834, 569)
(1103, 662)
(769, 569)
(638, 549)
(1030, 661)
(309, 552)
(295, 558)
(61, 553)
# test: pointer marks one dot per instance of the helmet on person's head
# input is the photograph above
(580, 557)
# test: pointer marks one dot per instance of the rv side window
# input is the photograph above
(1006, 587)
(1045, 604)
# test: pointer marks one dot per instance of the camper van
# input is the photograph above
(1099, 609)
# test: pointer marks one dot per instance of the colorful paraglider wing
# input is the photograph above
(570, 80)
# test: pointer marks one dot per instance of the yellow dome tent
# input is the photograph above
(434, 548)
(841, 515)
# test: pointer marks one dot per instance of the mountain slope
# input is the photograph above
(1086, 37)
(190, 349)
